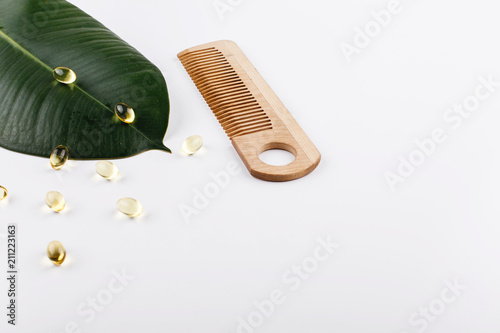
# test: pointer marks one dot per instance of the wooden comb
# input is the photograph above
(249, 111)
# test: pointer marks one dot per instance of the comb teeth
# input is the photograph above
(231, 101)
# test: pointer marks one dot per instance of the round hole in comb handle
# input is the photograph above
(250, 146)
(277, 157)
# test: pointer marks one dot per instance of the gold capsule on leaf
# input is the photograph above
(3, 193)
(129, 207)
(56, 252)
(192, 144)
(59, 157)
(55, 201)
(125, 113)
(64, 75)
(107, 170)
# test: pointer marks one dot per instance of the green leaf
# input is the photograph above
(37, 113)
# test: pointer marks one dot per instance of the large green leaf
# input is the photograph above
(37, 113)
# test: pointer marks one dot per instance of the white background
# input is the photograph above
(398, 248)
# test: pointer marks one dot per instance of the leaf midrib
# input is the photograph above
(31, 55)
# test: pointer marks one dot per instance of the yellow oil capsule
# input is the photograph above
(125, 113)
(192, 144)
(129, 207)
(59, 157)
(56, 252)
(64, 75)
(3, 193)
(55, 201)
(107, 170)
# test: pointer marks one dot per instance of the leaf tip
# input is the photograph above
(164, 148)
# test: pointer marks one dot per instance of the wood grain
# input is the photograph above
(249, 111)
